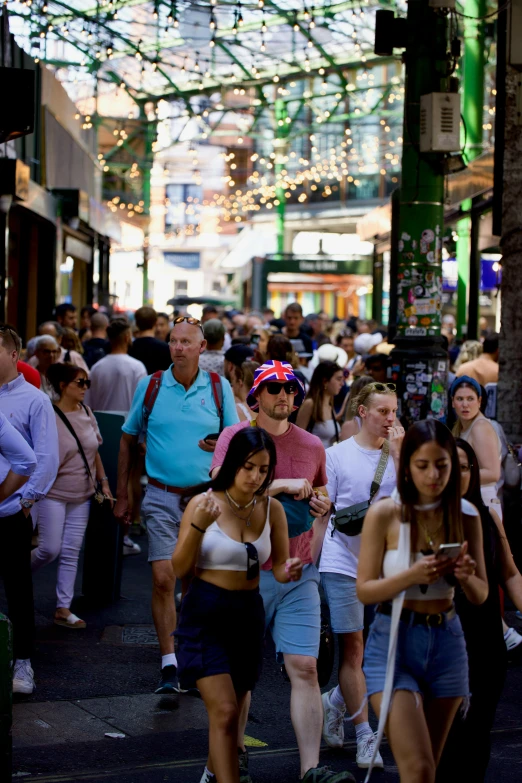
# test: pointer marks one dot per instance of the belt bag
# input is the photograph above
(350, 520)
(297, 513)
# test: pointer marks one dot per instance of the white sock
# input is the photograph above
(169, 660)
(336, 699)
(362, 730)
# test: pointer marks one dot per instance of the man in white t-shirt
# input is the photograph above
(115, 377)
(351, 467)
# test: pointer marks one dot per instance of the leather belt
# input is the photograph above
(166, 487)
(419, 618)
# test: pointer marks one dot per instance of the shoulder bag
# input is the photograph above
(350, 520)
(98, 494)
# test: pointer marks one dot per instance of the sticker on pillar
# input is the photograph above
(416, 331)
(406, 237)
(427, 237)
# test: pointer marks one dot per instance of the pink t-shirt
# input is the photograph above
(299, 455)
(72, 483)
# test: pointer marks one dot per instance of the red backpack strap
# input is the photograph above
(217, 391)
(151, 394)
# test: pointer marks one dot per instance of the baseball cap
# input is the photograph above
(237, 354)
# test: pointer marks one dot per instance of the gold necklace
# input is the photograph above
(430, 535)
(247, 519)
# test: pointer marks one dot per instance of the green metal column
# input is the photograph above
(472, 111)
(282, 129)
(150, 135)
(421, 211)
(6, 698)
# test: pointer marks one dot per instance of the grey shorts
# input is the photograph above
(161, 512)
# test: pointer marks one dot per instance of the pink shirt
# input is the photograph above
(72, 483)
(299, 455)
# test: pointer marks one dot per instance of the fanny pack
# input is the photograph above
(297, 513)
(350, 520)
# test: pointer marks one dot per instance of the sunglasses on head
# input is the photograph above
(252, 561)
(382, 387)
(273, 387)
(189, 320)
(83, 383)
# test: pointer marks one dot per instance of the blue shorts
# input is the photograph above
(293, 612)
(430, 661)
(346, 611)
(162, 512)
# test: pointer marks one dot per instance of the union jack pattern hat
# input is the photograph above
(281, 372)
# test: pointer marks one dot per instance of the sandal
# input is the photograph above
(71, 621)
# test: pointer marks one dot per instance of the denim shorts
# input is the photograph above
(346, 611)
(220, 632)
(293, 612)
(161, 512)
(430, 661)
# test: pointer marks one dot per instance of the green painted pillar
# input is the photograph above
(282, 129)
(421, 209)
(472, 112)
(6, 698)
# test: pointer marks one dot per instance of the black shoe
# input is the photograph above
(325, 775)
(169, 682)
(244, 776)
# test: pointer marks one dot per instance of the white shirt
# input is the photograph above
(113, 382)
(350, 470)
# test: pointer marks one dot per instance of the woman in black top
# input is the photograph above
(467, 750)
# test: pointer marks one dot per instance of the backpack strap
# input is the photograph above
(151, 394)
(217, 391)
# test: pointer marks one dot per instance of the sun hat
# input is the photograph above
(475, 385)
(281, 372)
(364, 343)
(330, 353)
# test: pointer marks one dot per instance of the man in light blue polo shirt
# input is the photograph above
(178, 456)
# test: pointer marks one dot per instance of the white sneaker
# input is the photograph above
(365, 748)
(23, 677)
(333, 722)
(512, 639)
(208, 777)
(130, 547)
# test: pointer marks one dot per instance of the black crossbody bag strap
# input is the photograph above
(69, 426)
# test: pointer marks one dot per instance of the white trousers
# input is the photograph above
(61, 528)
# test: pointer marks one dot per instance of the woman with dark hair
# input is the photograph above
(222, 620)
(473, 427)
(317, 414)
(467, 751)
(416, 644)
(64, 512)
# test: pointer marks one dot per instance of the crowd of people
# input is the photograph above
(278, 475)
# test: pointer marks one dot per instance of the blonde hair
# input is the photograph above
(364, 396)
(470, 350)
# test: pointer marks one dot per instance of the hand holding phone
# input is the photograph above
(451, 551)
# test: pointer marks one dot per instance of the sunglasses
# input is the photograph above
(252, 561)
(273, 387)
(189, 319)
(382, 387)
(83, 383)
(49, 351)
(12, 334)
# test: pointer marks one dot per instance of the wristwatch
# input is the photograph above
(26, 503)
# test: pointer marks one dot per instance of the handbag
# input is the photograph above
(350, 520)
(298, 515)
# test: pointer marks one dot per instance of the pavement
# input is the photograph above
(98, 682)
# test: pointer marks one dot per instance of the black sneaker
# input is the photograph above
(325, 775)
(244, 776)
(169, 682)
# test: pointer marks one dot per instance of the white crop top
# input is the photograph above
(391, 565)
(219, 552)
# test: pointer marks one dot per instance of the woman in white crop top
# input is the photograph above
(226, 533)
(416, 644)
